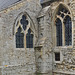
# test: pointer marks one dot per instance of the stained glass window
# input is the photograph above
(19, 39)
(29, 39)
(68, 31)
(59, 32)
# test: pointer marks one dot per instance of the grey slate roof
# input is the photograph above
(5, 3)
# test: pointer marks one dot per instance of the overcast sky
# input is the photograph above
(6, 3)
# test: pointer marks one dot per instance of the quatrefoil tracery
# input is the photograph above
(23, 23)
(63, 13)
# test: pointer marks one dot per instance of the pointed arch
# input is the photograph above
(63, 12)
(24, 31)
(61, 4)
(33, 28)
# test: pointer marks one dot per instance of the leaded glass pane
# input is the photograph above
(29, 39)
(24, 22)
(19, 39)
(68, 31)
(62, 15)
(59, 32)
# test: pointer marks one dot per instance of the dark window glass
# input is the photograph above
(62, 15)
(57, 56)
(19, 39)
(29, 39)
(68, 31)
(24, 22)
(59, 32)
(63, 10)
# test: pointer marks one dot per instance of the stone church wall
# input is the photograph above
(14, 61)
(67, 53)
(38, 60)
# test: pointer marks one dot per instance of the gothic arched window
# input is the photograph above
(59, 32)
(63, 27)
(24, 35)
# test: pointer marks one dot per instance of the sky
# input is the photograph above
(6, 3)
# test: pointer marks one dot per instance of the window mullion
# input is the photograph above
(63, 34)
(25, 40)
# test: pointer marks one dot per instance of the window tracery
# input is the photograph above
(24, 22)
(63, 27)
(24, 35)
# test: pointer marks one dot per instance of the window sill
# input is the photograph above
(64, 46)
(57, 62)
(23, 49)
(20, 49)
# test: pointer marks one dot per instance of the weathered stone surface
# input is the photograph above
(39, 60)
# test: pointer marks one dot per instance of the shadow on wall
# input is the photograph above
(45, 3)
